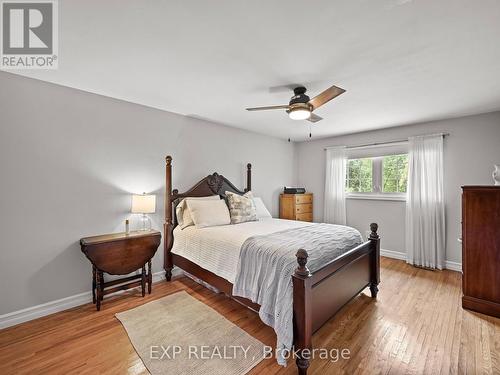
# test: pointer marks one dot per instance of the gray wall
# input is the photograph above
(69, 162)
(470, 152)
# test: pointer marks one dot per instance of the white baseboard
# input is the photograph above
(393, 254)
(34, 312)
(452, 266)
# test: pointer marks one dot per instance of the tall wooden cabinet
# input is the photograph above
(481, 249)
(296, 206)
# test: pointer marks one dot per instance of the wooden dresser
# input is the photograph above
(481, 249)
(296, 206)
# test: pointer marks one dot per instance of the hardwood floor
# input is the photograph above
(416, 326)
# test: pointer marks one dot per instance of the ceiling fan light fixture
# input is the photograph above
(301, 107)
(299, 113)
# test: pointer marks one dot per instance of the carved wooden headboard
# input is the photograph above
(211, 185)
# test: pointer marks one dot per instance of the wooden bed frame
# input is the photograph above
(317, 295)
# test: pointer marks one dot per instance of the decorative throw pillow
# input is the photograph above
(183, 214)
(209, 213)
(241, 207)
(262, 211)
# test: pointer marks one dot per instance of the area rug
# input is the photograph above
(178, 334)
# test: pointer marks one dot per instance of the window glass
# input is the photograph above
(383, 174)
(394, 173)
(360, 175)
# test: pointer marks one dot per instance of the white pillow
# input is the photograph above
(262, 211)
(184, 218)
(209, 213)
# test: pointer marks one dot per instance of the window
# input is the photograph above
(394, 173)
(360, 176)
(381, 177)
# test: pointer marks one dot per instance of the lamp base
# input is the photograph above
(145, 223)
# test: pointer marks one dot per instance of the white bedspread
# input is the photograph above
(217, 249)
(267, 263)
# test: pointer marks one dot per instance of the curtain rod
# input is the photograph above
(401, 141)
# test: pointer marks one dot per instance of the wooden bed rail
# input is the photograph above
(249, 177)
(168, 225)
(305, 320)
(374, 259)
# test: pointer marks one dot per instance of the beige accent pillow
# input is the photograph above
(209, 213)
(241, 207)
(182, 213)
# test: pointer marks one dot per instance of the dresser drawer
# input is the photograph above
(304, 217)
(296, 206)
(304, 208)
(303, 198)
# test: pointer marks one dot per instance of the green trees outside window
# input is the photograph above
(360, 175)
(394, 173)
(379, 175)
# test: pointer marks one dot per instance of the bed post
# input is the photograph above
(374, 260)
(302, 312)
(249, 177)
(168, 225)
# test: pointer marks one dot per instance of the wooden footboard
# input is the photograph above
(318, 295)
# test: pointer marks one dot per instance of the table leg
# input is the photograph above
(99, 290)
(143, 281)
(93, 284)
(150, 277)
(102, 284)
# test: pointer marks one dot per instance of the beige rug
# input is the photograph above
(178, 334)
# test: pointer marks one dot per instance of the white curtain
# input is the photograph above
(425, 217)
(335, 178)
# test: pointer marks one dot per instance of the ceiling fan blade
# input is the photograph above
(284, 106)
(314, 118)
(325, 96)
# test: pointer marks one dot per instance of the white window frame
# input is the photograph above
(377, 175)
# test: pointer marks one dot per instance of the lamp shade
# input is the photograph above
(143, 204)
(299, 114)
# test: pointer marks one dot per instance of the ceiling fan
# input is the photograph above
(301, 107)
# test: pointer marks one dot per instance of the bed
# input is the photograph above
(318, 289)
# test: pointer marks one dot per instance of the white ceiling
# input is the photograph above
(400, 61)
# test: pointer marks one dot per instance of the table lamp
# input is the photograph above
(144, 204)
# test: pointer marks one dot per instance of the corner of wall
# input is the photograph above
(296, 163)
